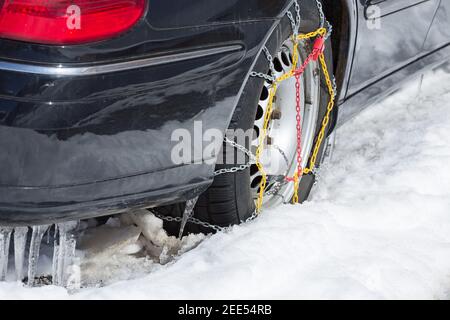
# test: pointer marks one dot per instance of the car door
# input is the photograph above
(391, 33)
(439, 34)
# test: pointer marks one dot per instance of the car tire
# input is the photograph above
(229, 200)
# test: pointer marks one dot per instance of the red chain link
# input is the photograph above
(317, 50)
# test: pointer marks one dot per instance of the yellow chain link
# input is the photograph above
(319, 32)
(326, 119)
(272, 92)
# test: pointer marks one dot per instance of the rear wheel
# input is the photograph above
(231, 198)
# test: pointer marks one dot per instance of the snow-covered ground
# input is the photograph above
(378, 225)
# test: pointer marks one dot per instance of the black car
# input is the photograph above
(96, 98)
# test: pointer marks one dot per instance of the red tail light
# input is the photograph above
(67, 21)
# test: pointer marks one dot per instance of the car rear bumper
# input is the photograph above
(69, 158)
(72, 159)
(41, 205)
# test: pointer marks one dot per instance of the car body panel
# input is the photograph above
(175, 14)
(374, 86)
(396, 41)
(439, 33)
(353, 105)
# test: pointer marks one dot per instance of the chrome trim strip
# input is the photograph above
(62, 70)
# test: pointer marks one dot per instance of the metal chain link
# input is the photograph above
(276, 188)
(298, 17)
(295, 23)
(321, 14)
(270, 78)
(262, 75)
(240, 148)
(329, 30)
(241, 167)
(323, 21)
(190, 220)
(333, 82)
(252, 217)
(270, 59)
(199, 222)
(207, 225)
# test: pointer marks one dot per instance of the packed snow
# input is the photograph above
(377, 226)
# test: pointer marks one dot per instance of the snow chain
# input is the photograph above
(199, 222)
(317, 54)
(320, 36)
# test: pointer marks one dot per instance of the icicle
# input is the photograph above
(55, 262)
(188, 210)
(33, 257)
(48, 235)
(20, 241)
(5, 239)
(64, 253)
(72, 276)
